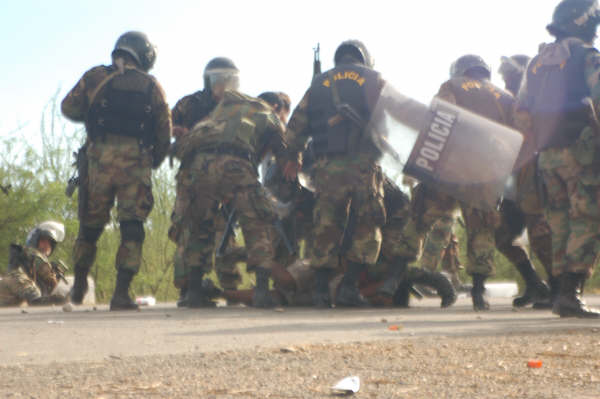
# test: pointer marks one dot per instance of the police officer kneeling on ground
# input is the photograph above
(31, 277)
(128, 127)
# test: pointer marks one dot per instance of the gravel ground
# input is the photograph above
(413, 367)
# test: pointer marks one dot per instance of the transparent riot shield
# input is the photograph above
(463, 154)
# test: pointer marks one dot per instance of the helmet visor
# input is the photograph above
(227, 77)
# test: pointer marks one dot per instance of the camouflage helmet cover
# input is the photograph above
(467, 63)
(578, 18)
(137, 45)
(355, 48)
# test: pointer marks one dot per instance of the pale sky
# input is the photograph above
(48, 45)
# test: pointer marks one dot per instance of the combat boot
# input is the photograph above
(348, 293)
(182, 301)
(554, 291)
(196, 295)
(80, 285)
(401, 297)
(262, 297)
(320, 296)
(121, 299)
(479, 302)
(569, 302)
(437, 281)
(535, 289)
(395, 275)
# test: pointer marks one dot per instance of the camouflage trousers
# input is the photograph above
(214, 179)
(347, 187)
(440, 240)
(428, 207)
(16, 287)
(118, 168)
(570, 176)
(202, 238)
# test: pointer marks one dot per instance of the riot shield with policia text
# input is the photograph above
(450, 148)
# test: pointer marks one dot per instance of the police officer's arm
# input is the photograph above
(592, 76)
(181, 108)
(273, 137)
(162, 125)
(297, 135)
(44, 275)
(77, 102)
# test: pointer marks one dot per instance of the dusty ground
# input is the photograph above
(245, 353)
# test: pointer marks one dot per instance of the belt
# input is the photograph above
(227, 150)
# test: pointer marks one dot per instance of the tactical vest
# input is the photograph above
(394, 199)
(346, 88)
(123, 107)
(201, 104)
(235, 126)
(554, 95)
(483, 98)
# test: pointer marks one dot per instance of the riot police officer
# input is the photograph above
(334, 112)
(556, 108)
(128, 127)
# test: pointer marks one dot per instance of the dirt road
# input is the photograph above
(240, 352)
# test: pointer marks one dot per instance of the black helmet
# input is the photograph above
(356, 49)
(468, 63)
(576, 18)
(221, 69)
(137, 45)
(53, 231)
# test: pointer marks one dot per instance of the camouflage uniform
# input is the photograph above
(559, 126)
(122, 149)
(29, 281)
(343, 182)
(186, 113)
(223, 151)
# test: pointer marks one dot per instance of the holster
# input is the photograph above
(82, 171)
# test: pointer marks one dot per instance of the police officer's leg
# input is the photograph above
(96, 213)
(480, 226)
(256, 219)
(513, 225)
(582, 243)
(84, 254)
(128, 261)
(329, 218)
(368, 208)
(540, 241)
(436, 242)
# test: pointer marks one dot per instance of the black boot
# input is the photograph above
(554, 291)
(348, 293)
(535, 289)
(262, 297)
(196, 295)
(320, 296)
(394, 277)
(479, 302)
(182, 301)
(121, 299)
(80, 286)
(401, 297)
(569, 302)
(437, 281)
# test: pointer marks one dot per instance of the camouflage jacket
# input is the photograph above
(30, 280)
(192, 108)
(76, 106)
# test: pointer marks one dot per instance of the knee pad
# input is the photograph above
(132, 230)
(90, 234)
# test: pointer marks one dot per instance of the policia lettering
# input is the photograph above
(438, 131)
(346, 75)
